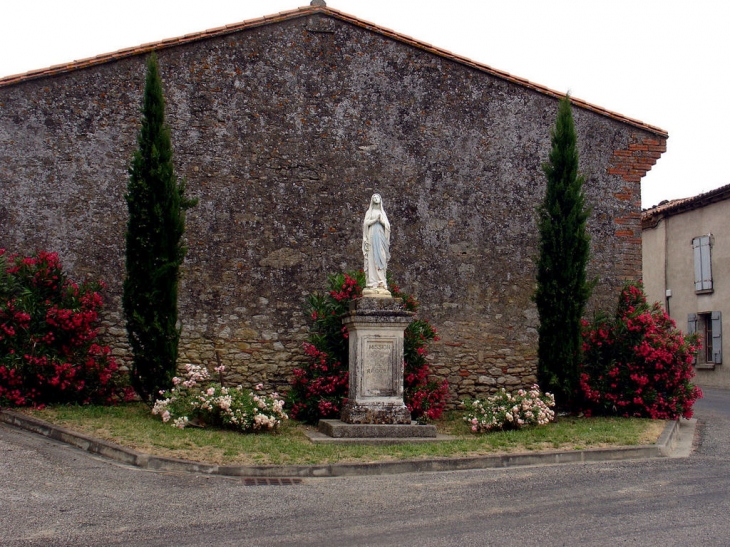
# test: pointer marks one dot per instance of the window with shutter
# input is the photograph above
(701, 247)
(709, 327)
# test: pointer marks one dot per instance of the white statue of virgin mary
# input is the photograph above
(376, 248)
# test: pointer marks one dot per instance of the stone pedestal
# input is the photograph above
(376, 327)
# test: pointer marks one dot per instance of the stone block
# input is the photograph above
(375, 327)
(340, 429)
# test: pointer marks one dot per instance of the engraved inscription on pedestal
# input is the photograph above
(377, 374)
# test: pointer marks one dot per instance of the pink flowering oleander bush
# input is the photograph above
(196, 400)
(48, 330)
(505, 410)
(320, 387)
(637, 363)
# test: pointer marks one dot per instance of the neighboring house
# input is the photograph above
(284, 127)
(687, 268)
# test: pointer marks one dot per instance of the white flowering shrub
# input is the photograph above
(195, 399)
(505, 410)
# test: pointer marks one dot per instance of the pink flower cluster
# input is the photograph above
(322, 385)
(48, 327)
(194, 399)
(349, 290)
(505, 410)
(637, 363)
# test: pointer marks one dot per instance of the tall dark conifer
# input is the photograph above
(562, 287)
(154, 247)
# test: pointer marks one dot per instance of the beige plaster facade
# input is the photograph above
(686, 267)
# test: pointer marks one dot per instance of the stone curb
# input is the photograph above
(663, 448)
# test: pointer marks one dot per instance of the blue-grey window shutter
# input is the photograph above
(717, 337)
(696, 249)
(691, 329)
(703, 263)
(691, 323)
(706, 263)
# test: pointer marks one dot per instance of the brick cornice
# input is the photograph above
(632, 164)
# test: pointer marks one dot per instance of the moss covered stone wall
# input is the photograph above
(283, 132)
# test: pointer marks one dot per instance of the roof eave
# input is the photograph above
(651, 217)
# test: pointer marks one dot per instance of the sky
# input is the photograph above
(664, 62)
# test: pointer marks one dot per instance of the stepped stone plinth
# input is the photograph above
(375, 408)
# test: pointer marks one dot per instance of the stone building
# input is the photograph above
(283, 127)
(687, 269)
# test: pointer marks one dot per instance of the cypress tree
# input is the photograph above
(154, 247)
(564, 247)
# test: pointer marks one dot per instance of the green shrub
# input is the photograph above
(155, 247)
(564, 248)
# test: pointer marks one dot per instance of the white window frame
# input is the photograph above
(709, 324)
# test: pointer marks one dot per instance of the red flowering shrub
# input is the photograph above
(320, 387)
(47, 332)
(637, 363)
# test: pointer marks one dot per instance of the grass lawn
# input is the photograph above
(132, 425)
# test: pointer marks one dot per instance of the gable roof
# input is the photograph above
(651, 217)
(303, 12)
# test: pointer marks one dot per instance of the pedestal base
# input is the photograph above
(340, 430)
(375, 413)
(376, 293)
(375, 327)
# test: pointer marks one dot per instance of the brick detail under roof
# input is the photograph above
(636, 161)
(631, 164)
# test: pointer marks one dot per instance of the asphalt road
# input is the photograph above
(53, 495)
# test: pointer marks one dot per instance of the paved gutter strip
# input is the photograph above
(669, 438)
(79, 440)
(663, 448)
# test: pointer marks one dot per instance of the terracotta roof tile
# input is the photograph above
(302, 11)
(216, 30)
(651, 217)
